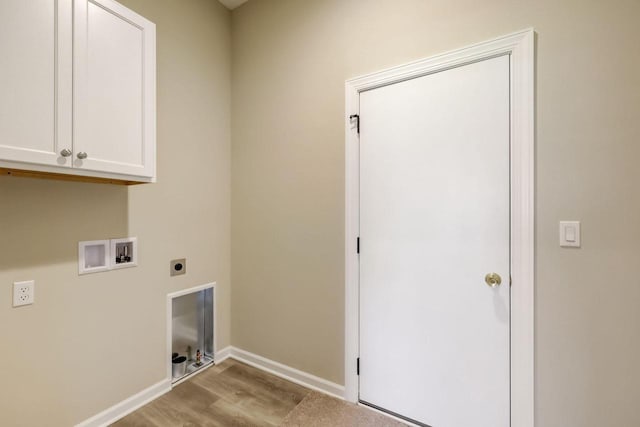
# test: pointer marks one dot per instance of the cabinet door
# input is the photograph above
(114, 89)
(35, 81)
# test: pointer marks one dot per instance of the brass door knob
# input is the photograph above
(492, 280)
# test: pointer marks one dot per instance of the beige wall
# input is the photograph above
(290, 61)
(89, 342)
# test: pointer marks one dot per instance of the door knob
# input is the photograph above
(82, 155)
(492, 280)
(66, 152)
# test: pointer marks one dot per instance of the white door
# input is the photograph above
(114, 89)
(434, 221)
(35, 76)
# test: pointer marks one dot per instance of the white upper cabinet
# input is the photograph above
(35, 81)
(78, 89)
(114, 89)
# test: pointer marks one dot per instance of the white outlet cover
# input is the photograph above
(23, 293)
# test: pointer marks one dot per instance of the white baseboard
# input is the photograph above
(222, 355)
(288, 373)
(119, 410)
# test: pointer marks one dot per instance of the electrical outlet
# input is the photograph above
(23, 293)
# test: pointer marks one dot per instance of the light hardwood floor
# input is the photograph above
(235, 394)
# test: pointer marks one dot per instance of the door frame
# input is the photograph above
(520, 47)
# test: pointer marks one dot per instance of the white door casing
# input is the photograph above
(520, 48)
(434, 220)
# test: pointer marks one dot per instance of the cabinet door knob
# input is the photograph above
(66, 152)
(82, 155)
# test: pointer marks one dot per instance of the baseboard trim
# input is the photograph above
(222, 355)
(121, 409)
(286, 372)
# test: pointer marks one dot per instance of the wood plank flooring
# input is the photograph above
(235, 394)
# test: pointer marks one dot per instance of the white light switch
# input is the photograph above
(570, 234)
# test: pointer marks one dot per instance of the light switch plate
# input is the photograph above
(570, 234)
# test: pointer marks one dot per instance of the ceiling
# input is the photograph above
(232, 4)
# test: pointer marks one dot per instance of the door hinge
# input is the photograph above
(358, 366)
(357, 117)
(358, 245)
